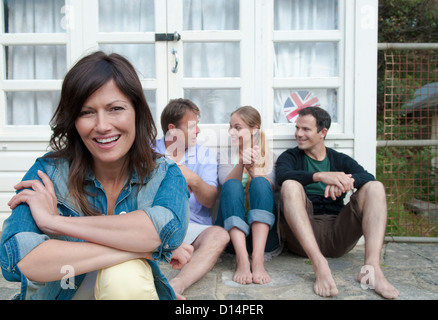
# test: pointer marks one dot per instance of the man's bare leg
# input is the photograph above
(374, 228)
(294, 208)
(208, 246)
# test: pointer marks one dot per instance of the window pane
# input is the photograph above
(308, 59)
(31, 108)
(142, 56)
(36, 62)
(126, 16)
(211, 15)
(151, 98)
(306, 15)
(287, 102)
(35, 16)
(215, 105)
(211, 59)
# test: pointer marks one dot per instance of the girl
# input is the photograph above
(247, 202)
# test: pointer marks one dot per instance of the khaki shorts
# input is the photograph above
(335, 234)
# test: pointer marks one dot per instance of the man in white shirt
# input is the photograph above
(179, 122)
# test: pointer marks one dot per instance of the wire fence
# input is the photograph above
(407, 154)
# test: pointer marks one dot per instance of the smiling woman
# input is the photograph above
(106, 125)
(102, 166)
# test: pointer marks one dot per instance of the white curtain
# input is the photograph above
(211, 15)
(126, 16)
(305, 14)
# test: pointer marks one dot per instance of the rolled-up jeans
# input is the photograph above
(232, 213)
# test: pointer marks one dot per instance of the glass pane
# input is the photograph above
(215, 105)
(142, 56)
(151, 98)
(202, 15)
(306, 59)
(126, 16)
(36, 62)
(36, 16)
(211, 59)
(287, 103)
(31, 108)
(306, 15)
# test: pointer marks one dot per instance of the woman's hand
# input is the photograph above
(41, 199)
(181, 256)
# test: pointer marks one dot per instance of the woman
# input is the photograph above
(102, 202)
(247, 202)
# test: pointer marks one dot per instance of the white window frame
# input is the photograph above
(343, 128)
(31, 132)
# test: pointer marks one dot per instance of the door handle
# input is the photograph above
(175, 68)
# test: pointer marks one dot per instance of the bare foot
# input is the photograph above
(178, 288)
(259, 274)
(372, 278)
(242, 274)
(324, 285)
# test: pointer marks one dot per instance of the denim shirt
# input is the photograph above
(163, 195)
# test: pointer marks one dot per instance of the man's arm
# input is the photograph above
(205, 193)
(345, 163)
(288, 167)
(344, 182)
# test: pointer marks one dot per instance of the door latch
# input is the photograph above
(167, 36)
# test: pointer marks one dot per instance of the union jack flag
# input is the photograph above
(299, 100)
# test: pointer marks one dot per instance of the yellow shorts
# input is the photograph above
(130, 280)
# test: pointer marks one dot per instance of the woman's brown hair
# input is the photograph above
(85, 78)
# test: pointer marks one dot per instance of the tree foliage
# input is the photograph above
(408, 20)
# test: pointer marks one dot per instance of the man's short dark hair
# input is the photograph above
(175, 111)
(323, 119)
